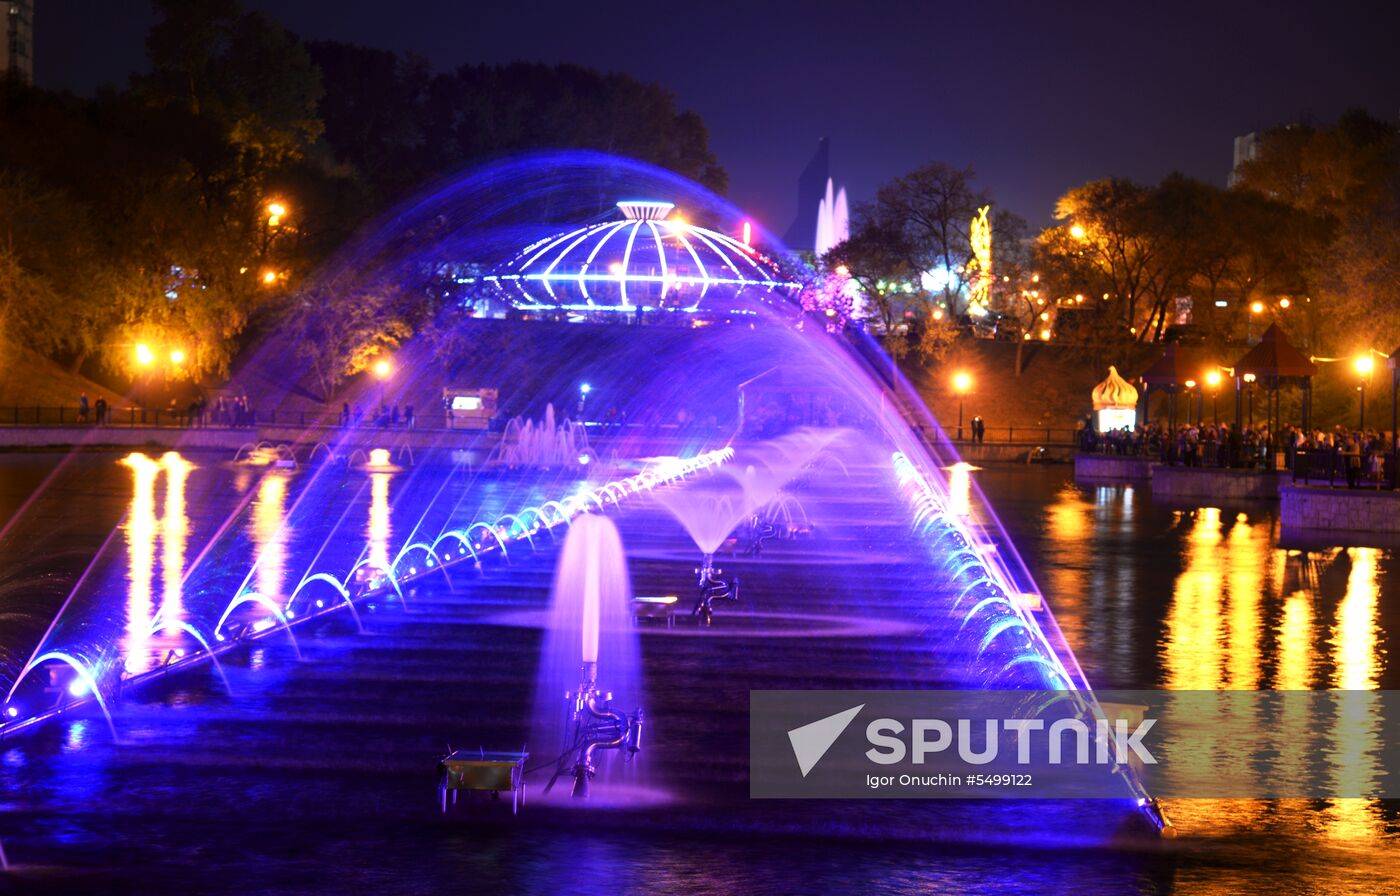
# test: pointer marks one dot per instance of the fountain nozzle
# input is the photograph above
(710, 588)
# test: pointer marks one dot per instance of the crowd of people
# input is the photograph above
(387, 416)
(1355, 456)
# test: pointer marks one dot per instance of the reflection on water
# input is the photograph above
(269, 533)
(174, 528)
(1157, 597)
(142, 530)
(378, 530)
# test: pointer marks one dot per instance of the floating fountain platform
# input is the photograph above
(477, 771)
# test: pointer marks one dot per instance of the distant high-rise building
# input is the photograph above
(17, 46)
(811, 191)
(1246, 148)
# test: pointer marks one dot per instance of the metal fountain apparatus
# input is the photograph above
(710, 588)
(591, 725)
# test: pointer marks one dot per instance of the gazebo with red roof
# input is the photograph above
(1176, 369)
(1272, 362)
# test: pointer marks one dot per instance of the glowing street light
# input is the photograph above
(1249, 379)
(1364, 364)
(269, 278)
(276, 211)
(1256, 308)
(1077, 231)
(1213, 380)
(583, 390)
(961, 383)
(1284, 303)
(177, 356)
(144, 356)
(382, 368)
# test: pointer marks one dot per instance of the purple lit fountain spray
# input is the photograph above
(590, 643)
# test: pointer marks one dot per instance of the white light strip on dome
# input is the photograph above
(700, 234)
(676, 281)
(623, 309)
(554, 242)
(745, 252)
(627, 259)
(612, 229)
(660, 255)
(680, 234)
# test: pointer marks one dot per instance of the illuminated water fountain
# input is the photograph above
(590, 632)
(709, 511)
(544, 443)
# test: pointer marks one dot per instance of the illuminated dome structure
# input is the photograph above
(1115, 402)
(650, 262)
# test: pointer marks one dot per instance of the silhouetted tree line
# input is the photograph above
(146, 214)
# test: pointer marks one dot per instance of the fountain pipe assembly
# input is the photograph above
(592, 725)
(710, 588)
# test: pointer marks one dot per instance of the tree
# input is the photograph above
(1345, 180)
(242, 72)
(338, 328)
(927, 217)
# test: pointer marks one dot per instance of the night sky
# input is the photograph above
(1036, 96)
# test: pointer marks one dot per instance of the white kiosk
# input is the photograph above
(469, 408)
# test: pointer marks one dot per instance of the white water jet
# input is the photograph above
(543, 443)
(833, 220)
(590, 623)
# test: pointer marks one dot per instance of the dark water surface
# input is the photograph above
(317, 776)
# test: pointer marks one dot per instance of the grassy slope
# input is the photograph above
(28, 379)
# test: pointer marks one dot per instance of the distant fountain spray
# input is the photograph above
(833, 220)
(590, 639)
(543, 443)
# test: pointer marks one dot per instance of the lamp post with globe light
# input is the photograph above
(1249, 379)
(583, 390)
(144, 359)
(961, 383)
(1364, 364)
(382, 371)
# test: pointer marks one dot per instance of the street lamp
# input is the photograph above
(1190, 384)
(1213, 380)
(144, 359)
(1077, 231)
(1249, 378)
(1364, 365)
(382, 370)
(177, 357)
(961, 383)
(583, 390)
(276, 211)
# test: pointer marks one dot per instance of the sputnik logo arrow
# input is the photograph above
(811, 741)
